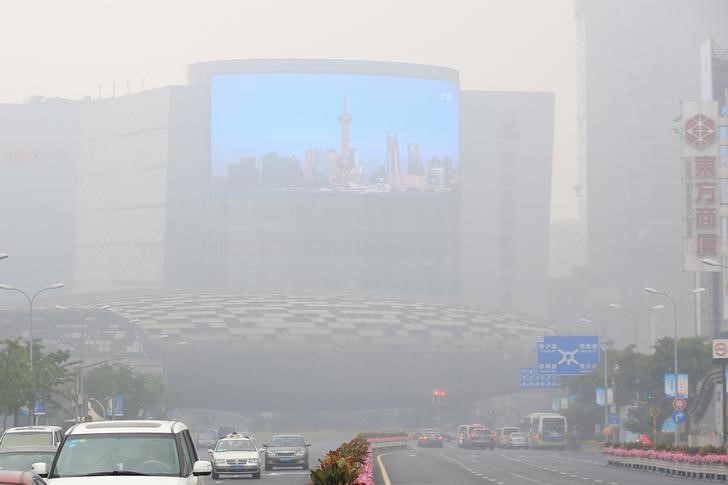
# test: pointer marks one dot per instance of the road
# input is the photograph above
(279, 476)
(455, 466)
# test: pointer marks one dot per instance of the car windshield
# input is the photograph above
(117, 454)
(27, 438)
(22, 460)
(287, 441)
(235, 445)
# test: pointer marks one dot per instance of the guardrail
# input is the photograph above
(708, 471)
(388, 443)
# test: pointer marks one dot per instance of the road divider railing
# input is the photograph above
(386, 440)
(707, 462)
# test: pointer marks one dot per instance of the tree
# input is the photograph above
(638, 379)
(19, 387)
(144, 394)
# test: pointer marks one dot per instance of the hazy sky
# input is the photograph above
(68, 48)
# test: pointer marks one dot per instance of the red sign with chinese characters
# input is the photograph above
(701, 184)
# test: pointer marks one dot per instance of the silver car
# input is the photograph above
(286, 451)
(235, 455)
(517, 440)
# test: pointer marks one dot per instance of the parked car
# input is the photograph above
(32, 436)
(142, 452)
(430, 438)
(287, 451)
(502, 435)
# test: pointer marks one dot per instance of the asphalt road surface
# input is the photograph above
(456, 466)
(278, 476)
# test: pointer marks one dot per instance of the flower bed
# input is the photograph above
(698, 462)
(352, 463)
(349, 464)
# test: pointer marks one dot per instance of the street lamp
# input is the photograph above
(605, 345)
(82, 316)
(637, 317)
(31, 299)
(674, 303)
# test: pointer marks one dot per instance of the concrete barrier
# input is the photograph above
(388, 443)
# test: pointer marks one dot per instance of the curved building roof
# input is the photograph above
(271, 350)
(226, 316)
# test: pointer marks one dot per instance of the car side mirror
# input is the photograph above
(209, 450)
(201, 468)
(265, 445)
(308, 445)
(40, 469)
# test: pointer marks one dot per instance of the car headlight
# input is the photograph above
(300, 452)
(252, 460)
(220, 461)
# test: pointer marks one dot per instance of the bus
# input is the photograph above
(545, 430)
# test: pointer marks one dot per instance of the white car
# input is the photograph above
(32, 436)
(126, 453)
(235, 455)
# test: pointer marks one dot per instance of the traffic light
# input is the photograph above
(650, 396)
(438, 396)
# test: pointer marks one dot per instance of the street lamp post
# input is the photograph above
(31, 299)
(82, 316)
(605, 346)
(636, 317)
(674, 303)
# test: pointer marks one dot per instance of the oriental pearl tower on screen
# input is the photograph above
(342, 167)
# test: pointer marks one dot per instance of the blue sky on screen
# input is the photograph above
(254, 114)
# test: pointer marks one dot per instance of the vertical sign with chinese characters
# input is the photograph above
(701, 184)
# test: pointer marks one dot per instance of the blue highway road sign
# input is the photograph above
(678, 417)
(567, 355)
(529, 378)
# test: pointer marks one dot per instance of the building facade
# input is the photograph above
(629, 90)
(151, 210)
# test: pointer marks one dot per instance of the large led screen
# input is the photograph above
(334, 133)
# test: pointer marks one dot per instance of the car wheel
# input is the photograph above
(214, 476)
(256, 475)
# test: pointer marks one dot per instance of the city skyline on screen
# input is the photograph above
(333, 130)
